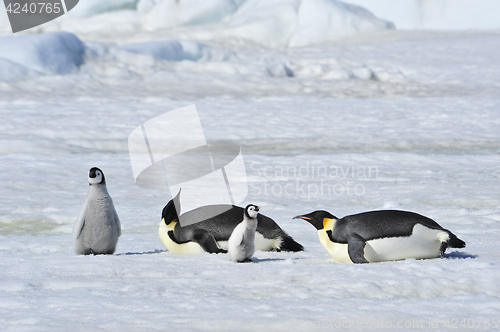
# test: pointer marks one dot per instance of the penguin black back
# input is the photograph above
(385, 223)
(371, 225)
(221, 225)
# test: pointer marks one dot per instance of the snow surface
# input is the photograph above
(379, 120)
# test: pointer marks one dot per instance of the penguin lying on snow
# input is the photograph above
(240, 246)
(378, 236)
(211, 235)
(98, 228)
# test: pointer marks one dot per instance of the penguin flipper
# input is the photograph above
(356, 249)
(118, 224)
(172, 237)
(239, 241)
(80, 222)
(207, 241)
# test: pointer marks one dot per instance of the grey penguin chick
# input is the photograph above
(98, 227)
(240, 246)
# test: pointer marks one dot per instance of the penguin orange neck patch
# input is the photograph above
(172, 222)
(326, 221)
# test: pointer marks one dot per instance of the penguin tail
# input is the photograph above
(289, 244)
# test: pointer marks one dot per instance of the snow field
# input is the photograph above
(383, 119)
(144, 287)
(138, 290)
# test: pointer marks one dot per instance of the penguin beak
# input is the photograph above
(302, 217)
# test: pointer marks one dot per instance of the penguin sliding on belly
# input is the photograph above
(378, 236)
(211, 234)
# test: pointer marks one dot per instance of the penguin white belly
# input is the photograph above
(338, 251)
(263, 244)
(176, 248)
(222, 244)
(422, 243)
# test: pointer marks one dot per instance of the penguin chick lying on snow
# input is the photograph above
(211, 234)
(240, 246)
(378, 236)
(98, 228)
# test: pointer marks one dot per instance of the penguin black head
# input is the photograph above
(169, 212)
(251, 211)
(96, 176)
(317, 218)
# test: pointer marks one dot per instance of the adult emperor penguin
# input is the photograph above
(98, 227)
(378, 236)
(211, 234)
(240, 246)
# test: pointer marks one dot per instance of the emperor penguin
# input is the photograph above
(240, 246)
(210, 234)
(98, 227)
(378, 236)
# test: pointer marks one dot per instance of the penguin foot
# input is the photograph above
(442, 249)
(248, 260)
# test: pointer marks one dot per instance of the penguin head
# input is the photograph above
(96, 176)
(169, 213)
(317, 218)
(251, 211)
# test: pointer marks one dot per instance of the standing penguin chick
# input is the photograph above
(240, 246)
(98, 227)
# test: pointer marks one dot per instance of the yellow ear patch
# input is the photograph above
(173, 222)
(328, 223)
